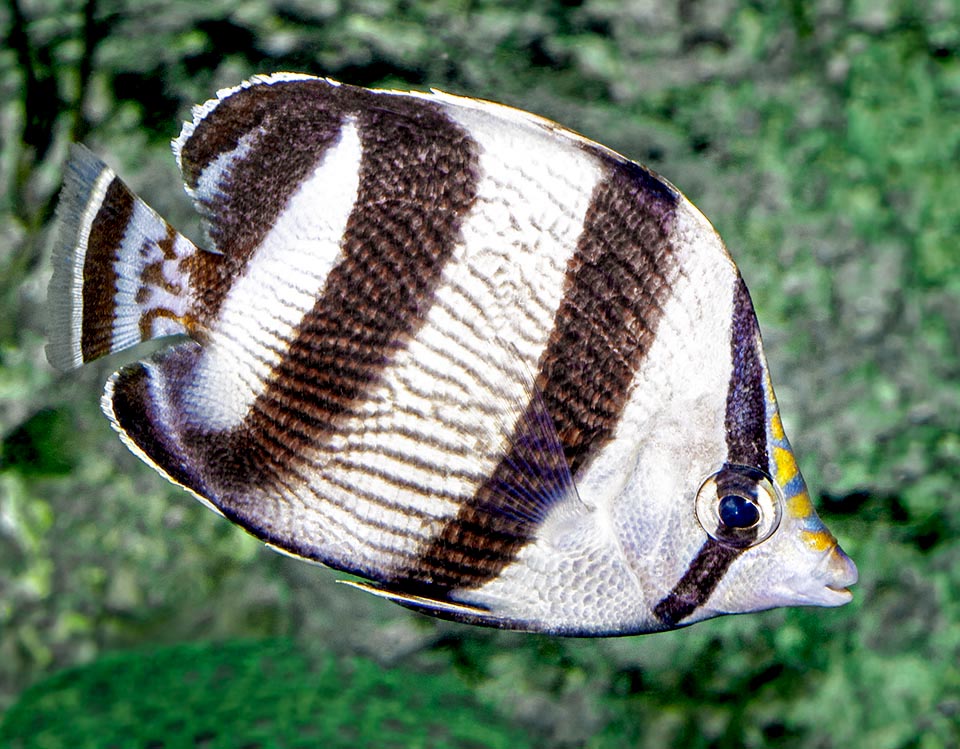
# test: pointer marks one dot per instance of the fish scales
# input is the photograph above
(503, 373)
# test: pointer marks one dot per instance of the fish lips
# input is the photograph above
(838, 573)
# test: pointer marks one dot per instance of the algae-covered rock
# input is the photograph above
(252, 694)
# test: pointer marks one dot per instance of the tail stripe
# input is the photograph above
(121, 273)
(99, 274)
(153, 295)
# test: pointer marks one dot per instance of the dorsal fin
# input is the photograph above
(247, 151)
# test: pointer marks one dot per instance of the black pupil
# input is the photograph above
(738, 512)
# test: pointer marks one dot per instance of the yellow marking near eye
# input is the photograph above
(818, 540)
(786, 465)
(776, 427)
(800, 506)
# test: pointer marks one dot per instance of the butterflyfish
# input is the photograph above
(499, 372)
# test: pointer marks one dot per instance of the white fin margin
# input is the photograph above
(86, 181)
(106, 405)
(494, 109)
(421, 603)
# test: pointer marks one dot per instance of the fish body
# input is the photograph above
(504, 374)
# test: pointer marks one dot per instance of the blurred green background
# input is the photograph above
(821, 138)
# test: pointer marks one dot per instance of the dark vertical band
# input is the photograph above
(288, 126)
(616, 284)
(401, 232)
(504, 513)
(698, 582)
(746, 428)
(99, 275)
(746, 419)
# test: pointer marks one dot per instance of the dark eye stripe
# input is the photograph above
(746, 420)
(746, 428)
(698, 582)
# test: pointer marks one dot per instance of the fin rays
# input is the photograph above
(121, 273)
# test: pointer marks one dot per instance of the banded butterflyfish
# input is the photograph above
(502, 373)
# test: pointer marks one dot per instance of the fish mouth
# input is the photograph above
(838, 573)
(837, 589)
(836, 596)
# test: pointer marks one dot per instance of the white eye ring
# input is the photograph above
(739, 506)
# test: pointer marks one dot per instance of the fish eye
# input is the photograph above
(738, 512)
(739, 506)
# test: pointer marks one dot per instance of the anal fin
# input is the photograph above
(426, 605)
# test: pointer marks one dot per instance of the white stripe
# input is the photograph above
(208, 185)
(138, 249)
(280, 284)
(506, 272)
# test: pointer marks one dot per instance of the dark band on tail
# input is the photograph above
(122, 274)
(99, 275)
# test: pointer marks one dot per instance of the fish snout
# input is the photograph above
(837, 572)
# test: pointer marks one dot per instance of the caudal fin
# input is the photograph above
(121, 275)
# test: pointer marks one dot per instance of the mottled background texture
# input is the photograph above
(821, 138)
